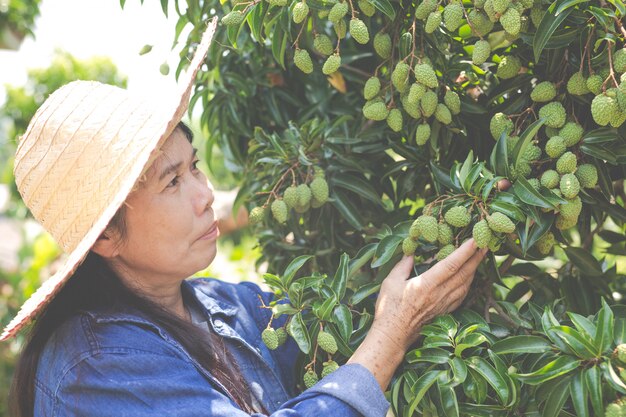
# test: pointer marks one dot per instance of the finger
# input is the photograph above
(467, 271)
(453, 262)
(401, 270)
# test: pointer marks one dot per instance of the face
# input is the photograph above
(171, 229)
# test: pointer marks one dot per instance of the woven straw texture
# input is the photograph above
(80, 157)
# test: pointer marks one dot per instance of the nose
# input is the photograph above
(203, 195)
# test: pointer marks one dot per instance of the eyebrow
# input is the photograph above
(176, 166)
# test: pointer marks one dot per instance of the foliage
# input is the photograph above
(411, 109)
(19, 16)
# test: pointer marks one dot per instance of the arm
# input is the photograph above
(137, 383)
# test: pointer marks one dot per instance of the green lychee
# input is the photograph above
(302, 59)
(327, 342)
(587, 175)
(554, 114)
(409, 246)
(337, 12)
(319, 190)
(546, 243)
(550, 179)
(577, 84)
(372, 88)
(452, 101)
(422, 133)
(359, 31)
(367, 8)
(269, 338)
(508, 67)
(400, 76)
(332, 64)
(499, 222)
(452, 16)
(233, 18)
(329, 367)
(571, 133)
(256, 215)
(375, 110)
(511, 21)
(555, 147)
(382, 45)
(442, 113)
(543, 92)
(279, 211)
(310, 378)
(457, 216)
(500, 123)
(394, 120)
(569, 186)
(481, 52)
(444, 252)
(428, 103)
(482, 234)
(424, 74)
(432, 22)
(566, 164)
(323, 44)
(444, 235)
(300, 12)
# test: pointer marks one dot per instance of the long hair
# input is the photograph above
(95, 285)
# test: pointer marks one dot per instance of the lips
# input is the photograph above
(211, 233)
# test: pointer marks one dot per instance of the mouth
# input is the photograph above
(211, 233)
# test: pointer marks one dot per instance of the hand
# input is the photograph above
(404, 305)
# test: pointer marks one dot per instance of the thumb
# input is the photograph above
(401, 270)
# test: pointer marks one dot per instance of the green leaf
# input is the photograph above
(499, 157)
(525, 141)
(420, 388)
(343, 319)
(584, 260)
(386, 249)
(521, 344)
(385, 7)
(594, 384)
(293, 267)
(472, 176)
(430, 355)
(255, 18)
(163, 7)
(475, 386)
(604, 334)
(325, 310)
(583, 325)
(274, 282)
(471, 340)
(459, 370)
(550, 22)
(449, 402)
(299, 332)
(612, 377)
(362, 257)
(583, 348)
(340, 280)
(556, 368)
(556, 400)
(365, 291)
(465, 168)
(567, 4)
(348, 210)
(529, 195)
(279, 44)
(493, 378)
(579, 393)
(358, 186)
(442, 177)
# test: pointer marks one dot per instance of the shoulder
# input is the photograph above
(243, 294)
(87, 335)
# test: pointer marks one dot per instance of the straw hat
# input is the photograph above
(80, 157)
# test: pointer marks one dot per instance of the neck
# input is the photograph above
(164, 292)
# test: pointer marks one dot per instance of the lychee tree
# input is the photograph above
(362, 130)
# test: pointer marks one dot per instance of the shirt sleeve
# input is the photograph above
(136, 383)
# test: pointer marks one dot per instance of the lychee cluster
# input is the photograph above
(418, 87)
(301, 198)
(488, 232)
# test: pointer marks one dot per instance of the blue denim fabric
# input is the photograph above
(121, 364)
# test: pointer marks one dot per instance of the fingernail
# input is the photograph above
(484, 251)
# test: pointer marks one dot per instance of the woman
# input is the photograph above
(120, 332)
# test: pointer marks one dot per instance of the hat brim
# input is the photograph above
(180, 102)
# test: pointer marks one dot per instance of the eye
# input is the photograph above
(174, 182)
(194, 165)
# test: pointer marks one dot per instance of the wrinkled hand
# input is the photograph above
(405, 305)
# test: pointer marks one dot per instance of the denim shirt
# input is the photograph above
(103, 363)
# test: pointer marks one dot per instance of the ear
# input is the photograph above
(107, 245)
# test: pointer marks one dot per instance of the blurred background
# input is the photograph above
(45, 44)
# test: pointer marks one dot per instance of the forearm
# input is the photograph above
(381, 353)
